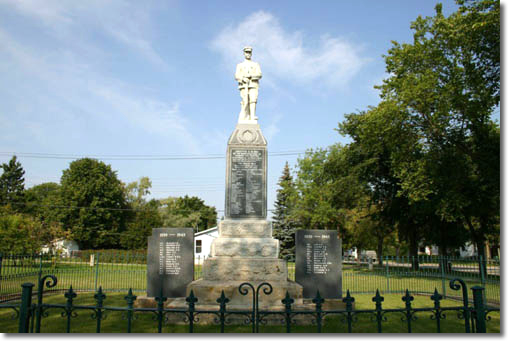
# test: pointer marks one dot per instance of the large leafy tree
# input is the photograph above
(24, 234)
(188, 212)
(12, 184)
(44, 201)
(447, 82)
(314, 208)
(284, 225)
(95, 204)
(143, 216)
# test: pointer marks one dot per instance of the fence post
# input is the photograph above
(25, 308)
(479, 309)
(96, 270)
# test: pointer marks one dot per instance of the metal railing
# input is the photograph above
(29, 315)
(120, 271)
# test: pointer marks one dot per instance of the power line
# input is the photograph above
(134, 157)
(88, 207)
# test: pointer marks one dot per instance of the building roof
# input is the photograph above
(213, 229)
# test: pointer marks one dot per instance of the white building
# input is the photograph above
(202, 242)
(61, 246)
(469, 250)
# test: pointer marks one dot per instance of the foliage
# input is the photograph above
(140, 225)
(284, 226)
(188, 212)
(44, 201)
(313, 205)
(95, 204)
(22, 234)
(12, 184)
(447, 84)
(143, 217)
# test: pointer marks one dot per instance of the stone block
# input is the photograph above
(245, 228)
(208, 292)
(245, 247)
(244, 269)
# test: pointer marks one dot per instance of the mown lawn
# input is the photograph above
(359, 280)
(115, 321)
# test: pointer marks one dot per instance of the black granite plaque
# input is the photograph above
(170, 261)
(319, 263)
(246, 183)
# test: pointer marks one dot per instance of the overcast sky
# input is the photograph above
(123, 78)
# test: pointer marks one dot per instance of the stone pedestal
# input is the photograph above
(245, 250)
(244, 253)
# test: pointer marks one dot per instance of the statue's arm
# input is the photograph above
(257, 74)
(238, 73)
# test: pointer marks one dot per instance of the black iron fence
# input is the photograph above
(119, 271)
(30, 314)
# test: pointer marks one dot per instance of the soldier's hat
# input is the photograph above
(247, 48)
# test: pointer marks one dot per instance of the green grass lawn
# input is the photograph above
(115, 322)
(121, 277)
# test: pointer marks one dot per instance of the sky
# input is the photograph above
(148, 86)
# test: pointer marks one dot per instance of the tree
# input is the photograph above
(143, 217)
(448, 84)
(137, 190)
(12, 184)
(188, 211)
(140, 225)
(313, 205)
(44, 202)
(377, 137)
(95, 203)
(284, 226)
(24, 234)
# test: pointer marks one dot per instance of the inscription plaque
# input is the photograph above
(246, 197)
(170, 261)
(319, 263)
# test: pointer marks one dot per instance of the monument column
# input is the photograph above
(245, 250)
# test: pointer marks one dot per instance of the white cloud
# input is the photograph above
(127, 22)
(285, 55)
(73, 91)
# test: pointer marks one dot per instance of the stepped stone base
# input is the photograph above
(208, 292)
(244, 269)
(251, 247)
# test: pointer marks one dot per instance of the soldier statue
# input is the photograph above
(248, 74)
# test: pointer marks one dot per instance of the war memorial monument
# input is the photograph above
(245, 250)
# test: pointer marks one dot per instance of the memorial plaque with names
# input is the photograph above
(319, 263)
(246, 183)
(170, 261)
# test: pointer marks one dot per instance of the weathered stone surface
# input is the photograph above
(247, 134)
(245, 247)
(246, 165)
(208, 292)
(245, 228)
(244, 269)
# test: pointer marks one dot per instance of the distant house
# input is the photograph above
(202, 242)
(469, 250)
(61, 246)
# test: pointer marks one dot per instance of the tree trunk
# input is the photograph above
(482, 261)
(380, 241)
(413, 251)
